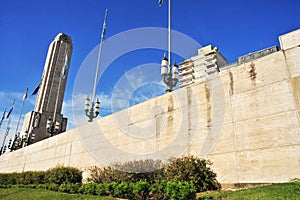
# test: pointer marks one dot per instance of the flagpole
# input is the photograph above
(99, 56)
(21, 110)
(3, 117)
(7, 128)
(169, 33)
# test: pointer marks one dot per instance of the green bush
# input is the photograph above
(190, 169)
(123, 190)
(100, 190)
(110, 187)
(140, 190)
(157, 190)
(88, 189)
(64, 175)
(8, 178)
(180, 191)
(53, 187)
(131, 172)
(58, 175)
(193, 170)
(147, 170)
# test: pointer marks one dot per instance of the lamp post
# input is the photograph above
(52, 127)
(169, 73)
(93, 111)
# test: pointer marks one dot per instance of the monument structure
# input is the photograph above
(46, 120)
(245, 119)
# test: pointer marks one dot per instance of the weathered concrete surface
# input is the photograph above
(245, 120)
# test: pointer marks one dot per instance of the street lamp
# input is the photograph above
(52, 127)
(169, 74)
(93, 111)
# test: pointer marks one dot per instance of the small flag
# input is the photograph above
(160, 2)
(25, 95)
(64, 73)
(3, 116)
(66, 60)
(37, 89)
(11, 109)
(66, 66)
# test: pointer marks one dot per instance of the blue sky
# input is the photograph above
(27, 27)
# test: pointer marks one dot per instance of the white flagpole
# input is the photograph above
(169, 33)
(99, 56)
(7, 129)
(21, 111)
(3, 117)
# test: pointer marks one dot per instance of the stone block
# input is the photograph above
(279, 129)
(269, 165)
(290, 40)
(267, 100)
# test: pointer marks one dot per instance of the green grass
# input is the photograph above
(270, 192)
(37, 194)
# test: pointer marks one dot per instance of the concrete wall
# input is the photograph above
(245, 120)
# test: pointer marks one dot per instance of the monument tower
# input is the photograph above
(46, 120)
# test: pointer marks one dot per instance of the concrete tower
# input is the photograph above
(46, 120)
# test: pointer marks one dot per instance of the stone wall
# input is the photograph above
(245, 120)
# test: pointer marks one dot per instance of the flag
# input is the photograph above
(66, 60)
(11, 109)
(160, 2)
(66, 65)
(64, 73)
(3, 116)
(25, 95)
(37, 88)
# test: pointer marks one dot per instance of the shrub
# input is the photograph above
(104, 175)
(58, 175)
(53, 187)
(193, 170)
(110, 187)
(131, 171)
(157, 190)
(8, 178)
(123, 190)
(146, 170)
(180, 191)
(64, 188)
(101, 190)
(140, 190)
(88, 188)
(63, 175)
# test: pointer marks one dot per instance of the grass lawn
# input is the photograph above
(269, 192)
(37, 194)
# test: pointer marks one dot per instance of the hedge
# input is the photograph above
(186, 169)
(136, 191)
(58, 175)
